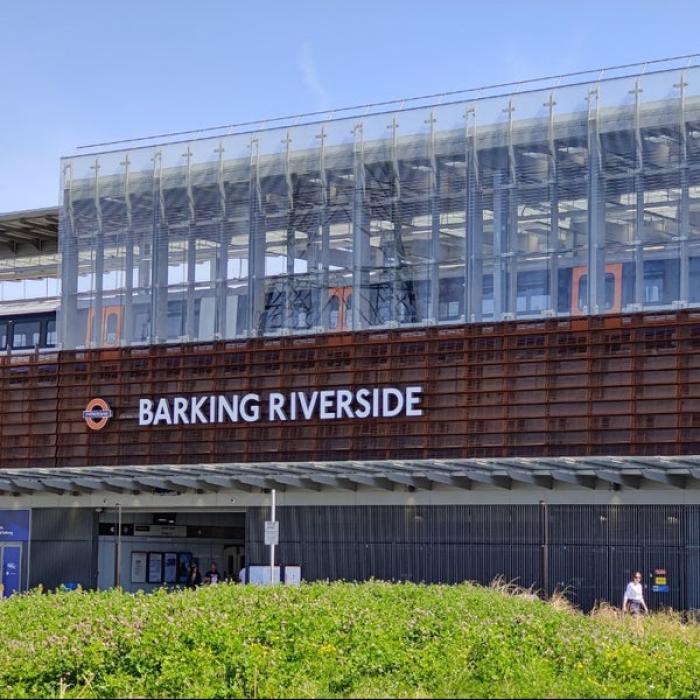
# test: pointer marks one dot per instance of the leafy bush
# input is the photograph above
(335, 640)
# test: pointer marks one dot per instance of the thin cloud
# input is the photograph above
(311, 79)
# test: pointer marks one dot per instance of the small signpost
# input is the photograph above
(272, 532)
(272, 536)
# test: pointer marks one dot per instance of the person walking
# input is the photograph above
(633, 602)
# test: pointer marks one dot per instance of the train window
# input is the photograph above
(26, 334)
(533, 291)
(653, 282)
(3, 335)
(51, 335)
(609, 291)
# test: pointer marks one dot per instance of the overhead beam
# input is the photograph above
(676, 480)
(629, 480)
(96, 485)
(461, 482)
(570, 477)
(371, 481)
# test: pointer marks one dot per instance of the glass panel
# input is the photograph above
(566, 200)
(26, 334)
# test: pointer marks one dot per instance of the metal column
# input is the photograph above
(128, 321)
(361, 250)
(95, 334)
(221, 283)
(474, 225)
(683, 252)
(69, 266)
(190, 329)
(159, 253)
(434, 302)
(553, 237)
(596, 210)
(256, 245)
(639, 204)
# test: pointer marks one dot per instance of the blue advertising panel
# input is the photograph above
(11, 562)
(14, 525)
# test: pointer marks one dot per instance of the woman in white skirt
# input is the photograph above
(633, 601)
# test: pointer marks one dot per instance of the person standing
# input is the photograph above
(213, 575)
(633, 601)
(194, 578)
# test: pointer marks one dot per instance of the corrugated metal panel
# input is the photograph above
(57, 562)
(64, 547)
(590, 554)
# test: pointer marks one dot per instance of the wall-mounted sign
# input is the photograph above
(97, 414)
(14, 525)
(327, 404)
(660, 583)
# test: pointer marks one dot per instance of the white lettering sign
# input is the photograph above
(327, 404)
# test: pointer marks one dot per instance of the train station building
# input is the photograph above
(459, 337)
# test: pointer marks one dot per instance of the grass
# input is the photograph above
(337, 640)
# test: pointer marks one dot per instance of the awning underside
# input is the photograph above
(583, 472)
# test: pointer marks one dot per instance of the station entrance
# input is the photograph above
(156, 548)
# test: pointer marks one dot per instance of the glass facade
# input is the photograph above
(575, 199)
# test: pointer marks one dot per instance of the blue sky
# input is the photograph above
(77, 72)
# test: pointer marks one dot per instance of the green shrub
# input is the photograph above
(335, 640)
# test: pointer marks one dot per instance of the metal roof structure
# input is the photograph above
(35, 226)
(584, 472)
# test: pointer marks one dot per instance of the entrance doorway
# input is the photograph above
(156, 548)
(11, 567)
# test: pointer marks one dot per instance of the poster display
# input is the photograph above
(139, 567)
(170, 567)
(155, 567)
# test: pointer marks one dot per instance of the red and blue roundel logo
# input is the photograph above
(97, 414)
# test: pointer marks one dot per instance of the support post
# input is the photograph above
(272, 546)
(190, 329)
(596, 210)
(118, 581)
(553, 237)
(221, 284)
(473, 282)
(126, 335)
(361, 250)
(97, 303)
(683, 252)
(434, 281)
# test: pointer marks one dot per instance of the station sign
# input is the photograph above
(328, 404)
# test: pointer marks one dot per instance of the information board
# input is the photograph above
(139, 567)
(155, 567)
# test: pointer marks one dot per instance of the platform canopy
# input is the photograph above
(35, 226)
(584, 472)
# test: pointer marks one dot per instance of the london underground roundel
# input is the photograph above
(97, 414)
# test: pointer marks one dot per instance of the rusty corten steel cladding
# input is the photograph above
(611, 385)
